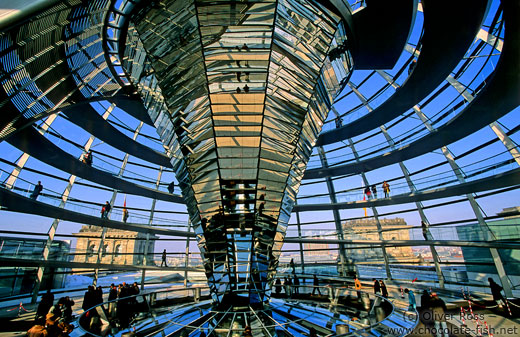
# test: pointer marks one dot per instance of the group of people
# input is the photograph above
(121, 306)
(105, 210)
(291, 286)
(433, 310)
(371, 191)
(52, 320)
(380, 288)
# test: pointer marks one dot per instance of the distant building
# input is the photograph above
(366, 230)
(119, 246)
(316, 249)
(20, 280)
(479, 263)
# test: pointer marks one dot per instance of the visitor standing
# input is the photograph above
(411, 299)
(112, 297)
(374, 191)
(357, 285)
(36, 191)
(171, 187)
(496, 291)
(316, 284)
(439, 316)
(384, 291)
(368, 193)
(45, 304)
(296, 283)
(386, 189)
(105, 210)
(163, 261)
(88, 158)
(377, 287)
(278, 286)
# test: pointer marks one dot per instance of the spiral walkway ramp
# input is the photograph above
(231, 144)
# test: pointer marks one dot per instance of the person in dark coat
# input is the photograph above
(377, 287)
(384, 291)
(296, 284)
(67, 309)
(171, 187)
(112, 296)
(88, 158)
(439, 315)
(374, 191)
(496, 291)
(425, 299)
(368, 193)
(88, 298)
(163, 259)
(277, 286)
(45, 304)
(105, 210)
(99, 295)
(37, 190)
(316, 284)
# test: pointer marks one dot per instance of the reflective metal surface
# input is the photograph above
(246, 87)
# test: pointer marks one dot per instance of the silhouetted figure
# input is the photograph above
(45, 304)
(125, 215)
(377, 287)
(163, 262)
(374, 191)
(261, 208)
(246, 88)
(386, 189)
(238, 90)
(67, 308)
(112, 296)
(425, 299)
(88, 158)
(368, 193)
(439, 316)
(316, 284)
(171, 187)
(98, 295)
(339, 122)
(291, 264)
(296, 283)
(496, 291)
(88, 298)
(239, 75)
(288, 287)
(105, 210)
(313, 333)
(277, 286)
(36, 191)
(384, 291)
(425, 227)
